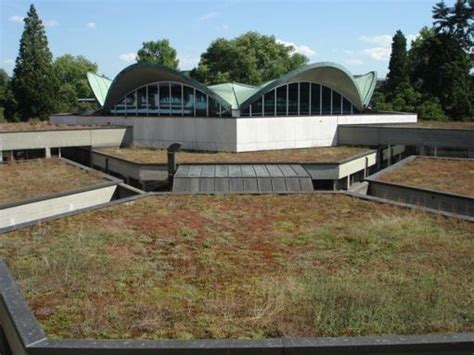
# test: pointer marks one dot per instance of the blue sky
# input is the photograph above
(355, 33)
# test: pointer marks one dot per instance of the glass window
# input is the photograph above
(257, 107)
(293, 99)
(176, 100)
(346, 107)
(201, 104)
(315, 99)
(226, 111)
(326, 104)
(141, 101)
(281, 101)
(152, 99)
(165, 99)
(304, 98)
(269, 103)
(245, 112)
(131, 103)
(188, 106)
(214, 108)
(119, 109)
(336, 103)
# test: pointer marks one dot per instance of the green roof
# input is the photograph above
(234, 93)
(100, 86)
(357, 89)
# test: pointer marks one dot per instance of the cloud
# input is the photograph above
(128, 57)
(353, 61)
(301, 49)
(91, 25)
(16, 18)
(209, 16)
(188, 61)
(381, 40)
(378, 53)
(9, 62)
(50, 23)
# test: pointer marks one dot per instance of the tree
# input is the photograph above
(441, 69)
(71, 73)
(251, 58)
(4, 87)
(33, 82)
(158, 52)
(398, 74)
(456, 21)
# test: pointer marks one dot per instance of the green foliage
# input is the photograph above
(71, 73)
(456, 21)
(4, 88)
(34, 84)
(251, 58)
(398, 65)
(158, 52)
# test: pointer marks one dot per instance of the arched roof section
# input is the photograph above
(357, 90)
(99, 85)
(140, 74)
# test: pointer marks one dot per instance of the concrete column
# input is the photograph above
(389, 159)
(12, 156)
(348, 182)
(59, 152)
(1, 156)
(379, 157)
(435, 151)
(334, 185)
(366, 168)
(47, 152)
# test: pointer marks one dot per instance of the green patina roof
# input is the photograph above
(100, 86)
(234, 93)
(359, 87)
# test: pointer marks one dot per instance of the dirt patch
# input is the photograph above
(308, 155)
(32, 178)
(246, 267)
(455, 176)
(446, 124)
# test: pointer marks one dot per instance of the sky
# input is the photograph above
(354, 33)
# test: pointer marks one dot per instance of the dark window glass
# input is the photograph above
(152, 99)
(315, 99)
(293, 99)
(201, 104)
(165, 99)
(131, 102)
(245, 112)
(119, 108)
(226, 111)
(269, 103)
(304, 98)
(326, 100)
(188, 108)
(336, 103)
(213, 107)
(257, 107)
(176, 100)
(346, 107)
(281, 101)
(141, 101)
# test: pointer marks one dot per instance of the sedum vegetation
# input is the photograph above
(246, 267)
(436, 174)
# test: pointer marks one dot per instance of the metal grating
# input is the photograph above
(235, 178)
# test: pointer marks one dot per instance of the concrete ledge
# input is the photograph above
(24, 336)
(436, 200)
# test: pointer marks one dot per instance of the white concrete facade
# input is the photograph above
(32, 211)
(236, 134)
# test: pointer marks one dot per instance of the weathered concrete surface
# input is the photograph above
(96, 137)
(35, 209)
(405, 135)
(236, 134)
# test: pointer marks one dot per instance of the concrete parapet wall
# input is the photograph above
(50, 205)
(96, 137)
(432, 199)
(236, 134)
(405, 135)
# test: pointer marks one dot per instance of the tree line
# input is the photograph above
(433, 78)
